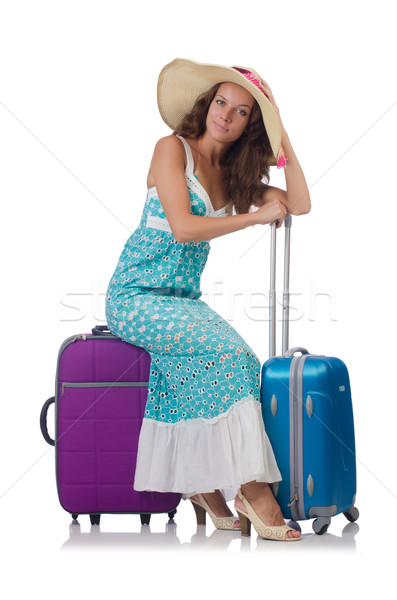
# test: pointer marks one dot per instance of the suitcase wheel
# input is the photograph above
(321, 524)
(172, 514)
(145, 519)
(352, 514)
(95, 518)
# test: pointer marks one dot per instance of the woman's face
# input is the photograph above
(229, 112)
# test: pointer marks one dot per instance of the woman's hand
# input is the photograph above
(274, 210)
(268, 92)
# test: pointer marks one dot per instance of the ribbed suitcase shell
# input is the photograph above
(308, 415)
(312, 435)
(101, 390)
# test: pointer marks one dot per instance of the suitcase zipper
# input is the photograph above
(295, 443)
(296, 439)
(99, 384)
(296, 474)
(81, 336)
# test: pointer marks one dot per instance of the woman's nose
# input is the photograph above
(227, 115)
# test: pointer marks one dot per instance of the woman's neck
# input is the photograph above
(212, 150)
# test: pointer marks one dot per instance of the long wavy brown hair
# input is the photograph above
(246, 161)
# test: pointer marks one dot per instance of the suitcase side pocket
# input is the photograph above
(104, 384)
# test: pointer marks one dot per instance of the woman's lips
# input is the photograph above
(220, 127)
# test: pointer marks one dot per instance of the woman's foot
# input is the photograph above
(217, 504)
(260, 497)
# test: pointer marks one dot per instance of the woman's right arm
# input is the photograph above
(168, 169)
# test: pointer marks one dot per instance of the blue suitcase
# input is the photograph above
(308, 415)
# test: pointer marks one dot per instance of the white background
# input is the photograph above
(78, 123)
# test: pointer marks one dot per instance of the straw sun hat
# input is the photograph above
(182, 81)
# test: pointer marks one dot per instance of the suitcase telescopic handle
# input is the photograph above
(43, 421)
(272, 291)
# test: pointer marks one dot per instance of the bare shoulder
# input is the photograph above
(169, 154)
(170, 144)
(168, 160)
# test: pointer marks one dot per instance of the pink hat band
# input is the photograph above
(281, 157)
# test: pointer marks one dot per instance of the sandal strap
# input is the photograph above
(270, 532)
(219, 522)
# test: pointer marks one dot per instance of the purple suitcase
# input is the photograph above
(100, 396)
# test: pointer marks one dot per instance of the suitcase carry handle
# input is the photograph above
(43, 421)
(293, 351)
(101, 330)
(272, 291)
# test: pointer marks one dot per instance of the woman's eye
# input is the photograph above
(241, 111)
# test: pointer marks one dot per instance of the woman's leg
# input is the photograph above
(260, 497)
(203, 401)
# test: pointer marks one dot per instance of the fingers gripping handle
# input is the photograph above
(272, 291)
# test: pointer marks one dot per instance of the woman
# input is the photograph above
(203, 433)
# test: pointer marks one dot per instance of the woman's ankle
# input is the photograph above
(255, 489)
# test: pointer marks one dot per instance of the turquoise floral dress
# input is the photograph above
(203, 428)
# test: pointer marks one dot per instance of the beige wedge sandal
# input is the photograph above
(201, 508)
(267, 532)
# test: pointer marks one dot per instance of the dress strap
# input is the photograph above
(189, 156)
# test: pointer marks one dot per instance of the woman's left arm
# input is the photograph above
(296, 198)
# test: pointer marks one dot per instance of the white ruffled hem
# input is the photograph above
(199, 456)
